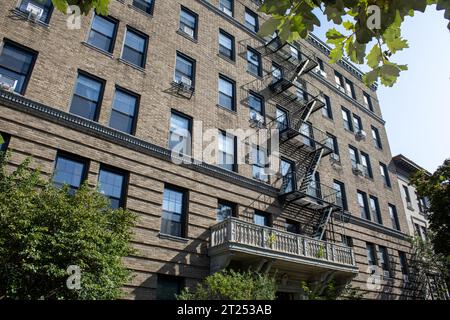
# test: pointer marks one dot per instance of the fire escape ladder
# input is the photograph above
(326, 216)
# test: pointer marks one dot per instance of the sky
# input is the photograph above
(417, 108)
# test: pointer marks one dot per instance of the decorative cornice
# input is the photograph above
(92, 128)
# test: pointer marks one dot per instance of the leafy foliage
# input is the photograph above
(233, 285)
(331, 292)
(43, 230)
(100, 6)
(437, 189)
(293, 19)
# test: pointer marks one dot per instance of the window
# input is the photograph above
(261, 219)
(4, 145)
(277, 73)
(16, 65)
(87, 97)
(103, 33)
(384, 258)
(407, 197)
(282, 119)
(357, 123)
(168, 287)
(354, 156)
(367, 101)
(259, 160)
(417, 230)
(375, 210)
(227, 93)
(287, 172)
(180, 134)
(225, 210)
(112, 183)
(144, 5)
(333, 143)
(226, 45)
(394, 217)
(341, 196)
(306, 131)
(376, 138)
(371, 256)
(293, 226)
(385, 174)
(254, 62)
(45, 5)
(365, 161)
(69, 170)
(135, 48)
(403, 263)
(350, 88)
(173, 220)
(295, 53)
(320, 64)
(251, 20)
(226, 6)
(339, 79)
(188, 22)
(227, 154)
(422, 203)
(184, 69)
(256, 106)
(362, 203)
(326, 109)
(346, 116)
(124, 111)
(346, 240)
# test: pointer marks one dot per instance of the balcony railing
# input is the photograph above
(237, 232)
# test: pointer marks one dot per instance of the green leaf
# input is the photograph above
(374, 57)
(348, 25)
(61, 5)
(2, 141)
(270, 26)
(370, 77)
(337, 53)
(397, 45)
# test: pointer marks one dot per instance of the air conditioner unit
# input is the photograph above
(185, 82)
(335, 157)
(188, 31)
(361, 134)
(7, 83)
(256, 118)
(386, 274)
(358, 169)
(34, 12)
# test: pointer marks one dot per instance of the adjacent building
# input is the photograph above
(108, 101)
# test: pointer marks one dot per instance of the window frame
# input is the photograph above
(233, 46)
(74, 158)
(231, 9)
(21, 47)
(130, 29)
(49, 14)
(111, 19)
(377, 138)
(100, 96)
(393, 215)
(189, 59)
(377, 214)
(190, 126)
(233, 97)
(160, 277)
(384, 172)
(366, 205)
(227, 203)
(294, 223)
(259, 74)
(152, 7)
(371, 254)
(136, 108)
(357, 120)
(266, 215)
(223, 133)
(195, 16)
(349, 120)
(184, 211)
(369, 101)
(327, 107)
(124, 189)
(363, 155)
(357, 158)
(343, 193)
(248, 12)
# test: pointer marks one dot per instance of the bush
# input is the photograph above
(44, 230)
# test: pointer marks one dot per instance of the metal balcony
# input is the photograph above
(310, 194)
(247, 242)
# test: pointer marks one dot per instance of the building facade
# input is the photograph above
(415, 207)
(105, 101)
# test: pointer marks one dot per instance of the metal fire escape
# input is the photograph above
(300, 142)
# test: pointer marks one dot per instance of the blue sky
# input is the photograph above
(417, 108)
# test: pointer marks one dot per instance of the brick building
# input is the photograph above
(104, 103)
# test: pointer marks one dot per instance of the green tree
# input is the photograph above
(233, 285)
(44, 230)
(329, 291)
(294, 19)
(100, 6)
(436, 188)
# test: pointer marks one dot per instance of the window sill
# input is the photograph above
(328, 118)
(410, 208)
(226, 109)
(255, 75)
(106, 53)
(173, 238)
(226, 58)
(149, 15)
(185, 35)
(131, 65)
(19, 13)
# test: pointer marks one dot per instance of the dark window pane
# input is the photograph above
(226, 93)
(261, 219)
(168, 287)
(123, 113)
(173, 213)
(184, 68)
(15, 65)
(68, 171)
(83, 107)
(111, 185)
(102, 33)
(224, 211)
(180, 136)
(188, 22)
(144, 5)
(86, 97)
(134, 48)
(226, 45)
